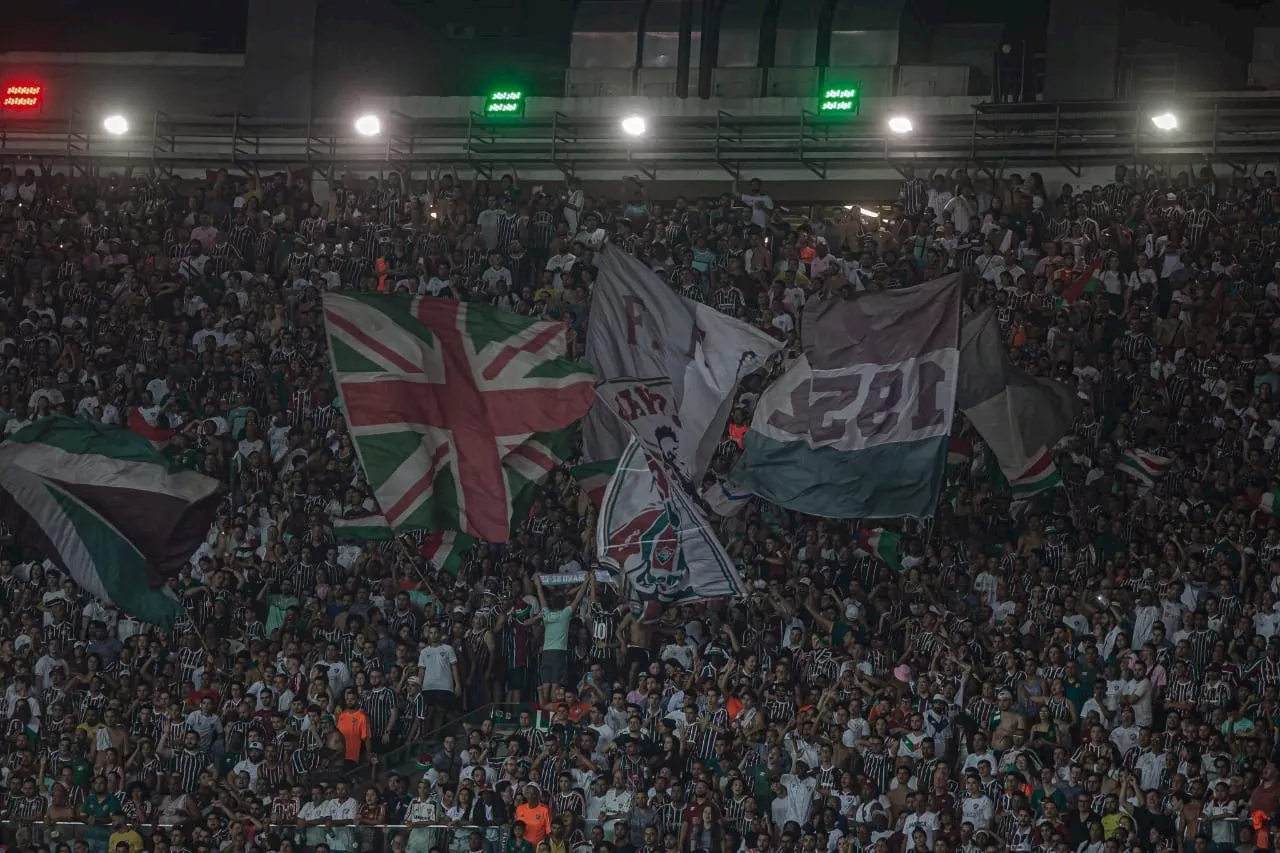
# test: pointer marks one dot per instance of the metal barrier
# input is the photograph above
(1230, 128)
(368, 771)
(381, 838)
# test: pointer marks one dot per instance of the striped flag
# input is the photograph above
(107, 509)
(1020, 417)
(1089, 281)
(1041, 476)
(446, 550)
(724, 499)
(458, 411)
(1143, 466)
(371, 525)
(593, 477)
(188, 269)
(158, 436)
(883, 545)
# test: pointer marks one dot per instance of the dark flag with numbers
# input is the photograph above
(858, 427)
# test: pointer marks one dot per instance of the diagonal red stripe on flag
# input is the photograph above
(510, 353)
(399, 361)
(420, 487)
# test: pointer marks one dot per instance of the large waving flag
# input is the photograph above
(641, 330)
(653, 535)
(1020, 417)
(858, 427)
(458, 411)
(103, 504)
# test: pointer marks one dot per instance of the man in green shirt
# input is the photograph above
(96, 812)
(556, 617)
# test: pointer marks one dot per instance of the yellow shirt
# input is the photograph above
(127, 836)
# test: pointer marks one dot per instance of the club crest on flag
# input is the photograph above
(648, 408)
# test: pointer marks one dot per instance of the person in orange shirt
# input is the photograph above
(535, 815)
(353, 724)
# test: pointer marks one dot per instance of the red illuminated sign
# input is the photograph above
(22, 97)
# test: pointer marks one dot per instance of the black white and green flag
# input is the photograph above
(105, 507)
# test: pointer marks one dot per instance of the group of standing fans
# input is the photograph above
(1093, 670)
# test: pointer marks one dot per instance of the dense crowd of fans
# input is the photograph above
(1093, 670)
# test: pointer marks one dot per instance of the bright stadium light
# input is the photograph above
(116, 125)
(634, 126)
(368, 125)
(901, 125)
(1165, 121)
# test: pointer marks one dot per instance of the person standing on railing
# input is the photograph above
(556, 617)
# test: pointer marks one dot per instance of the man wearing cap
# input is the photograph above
(534, 815)
(250, 764)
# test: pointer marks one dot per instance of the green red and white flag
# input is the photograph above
(364, 526)
(105, 507)
(860, 425)
(1020, 417)
(158, 436)
(446, 550)
(458, 411)
(1144, 466)
(882, 544)
(1089, 281)
(1041, 476)
(593, 478)
(652, 534)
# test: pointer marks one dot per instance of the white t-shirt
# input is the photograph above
(436, 667)
(760, 206)
(492, 276)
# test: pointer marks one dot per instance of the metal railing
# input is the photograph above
(411, 749)
(369, 838)
(1232, 127)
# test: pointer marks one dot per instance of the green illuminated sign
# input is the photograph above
(504, 104)
(842, 99)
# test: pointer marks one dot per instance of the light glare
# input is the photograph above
(115, 124)
(634, 125)
(1165, 121)
(901, 124)
(369, 125)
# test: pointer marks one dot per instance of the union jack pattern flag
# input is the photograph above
(457, 410)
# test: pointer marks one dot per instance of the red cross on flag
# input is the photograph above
(457, 410)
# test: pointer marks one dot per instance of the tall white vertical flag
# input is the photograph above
(640, 329)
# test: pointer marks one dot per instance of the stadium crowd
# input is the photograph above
(1092, 670)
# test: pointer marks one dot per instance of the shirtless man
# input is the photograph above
(635, 637)
(1008, 721)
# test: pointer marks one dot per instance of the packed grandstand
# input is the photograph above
(1087, 663)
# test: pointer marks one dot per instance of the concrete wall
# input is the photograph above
(1083, 55)
(137, 84)
(279, 59)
